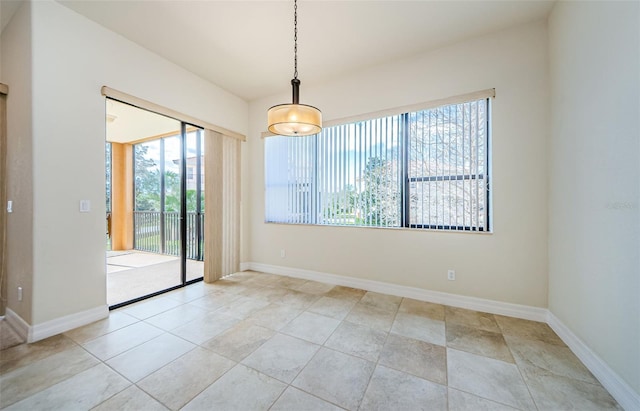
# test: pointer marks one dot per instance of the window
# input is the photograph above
(425, 169)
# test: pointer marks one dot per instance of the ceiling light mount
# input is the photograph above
(294, 119)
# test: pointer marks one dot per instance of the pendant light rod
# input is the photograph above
(295, 88)
(295, 39)
(295, 83)
(295, 119)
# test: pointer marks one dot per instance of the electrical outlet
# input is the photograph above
(451, 275)
(282, 253)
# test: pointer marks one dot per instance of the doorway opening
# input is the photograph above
(155, 203)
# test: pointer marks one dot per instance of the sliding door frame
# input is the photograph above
(183, 205)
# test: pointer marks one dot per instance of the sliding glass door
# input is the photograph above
(156, 206)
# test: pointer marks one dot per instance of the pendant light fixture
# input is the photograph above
(294, 119)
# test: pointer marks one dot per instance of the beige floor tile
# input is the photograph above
(336, 377)
(190, 293)
(25, 354)
(422, 308)
(242, 276)
(259, 319)
(243, 307)
(80, 392)
(241, 388)
(419, 328)
(289, 282)
(274, 316)
(296, 299)
(228, 286)
(311, 327)
(553, 392)
(176, 317)
(281, 357)
(180, 381)
(488, 378)
(119, 341)
(332, 307)
(358, 340)
(346, 293)
(263, 279)
(131, 399)
(153, 306)
(23, 382)
(383, 301)
(214, 300)
(534, 356)
(314, 287)
(202, 329)
(371, 316)
(463, 401)
(472, 319)
(150, 356)
(415, 357)
(265, 293)
(239, 341)
(477, 341)
(528, 329)
(294, 399)
(394, 390)
(114, 321)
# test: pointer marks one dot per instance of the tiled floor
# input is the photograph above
(260, 341)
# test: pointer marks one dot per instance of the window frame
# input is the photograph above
(406, 180)
(406, 215)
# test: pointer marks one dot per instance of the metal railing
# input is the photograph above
(158, 232)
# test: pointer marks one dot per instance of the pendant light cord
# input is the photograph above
(295, 39)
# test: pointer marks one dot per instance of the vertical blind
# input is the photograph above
(447, 167)
(422, 169)
(222, 197)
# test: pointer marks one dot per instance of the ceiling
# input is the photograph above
(128, 124)
(246, 47)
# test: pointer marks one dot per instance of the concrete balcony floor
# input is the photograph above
(132, 274)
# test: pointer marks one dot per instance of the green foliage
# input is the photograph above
(147, 180)
(147, 186)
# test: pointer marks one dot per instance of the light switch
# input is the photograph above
(85, 206)
(9, 206)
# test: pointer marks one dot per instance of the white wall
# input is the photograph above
(16, 72)
(509, 265)
(594, 236)
(72, 58)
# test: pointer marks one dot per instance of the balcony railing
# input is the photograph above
(158, 232)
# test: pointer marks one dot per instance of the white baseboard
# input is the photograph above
(66, 323)
(17, 323)
(617, 387)
(454, 300)
(37, 332)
